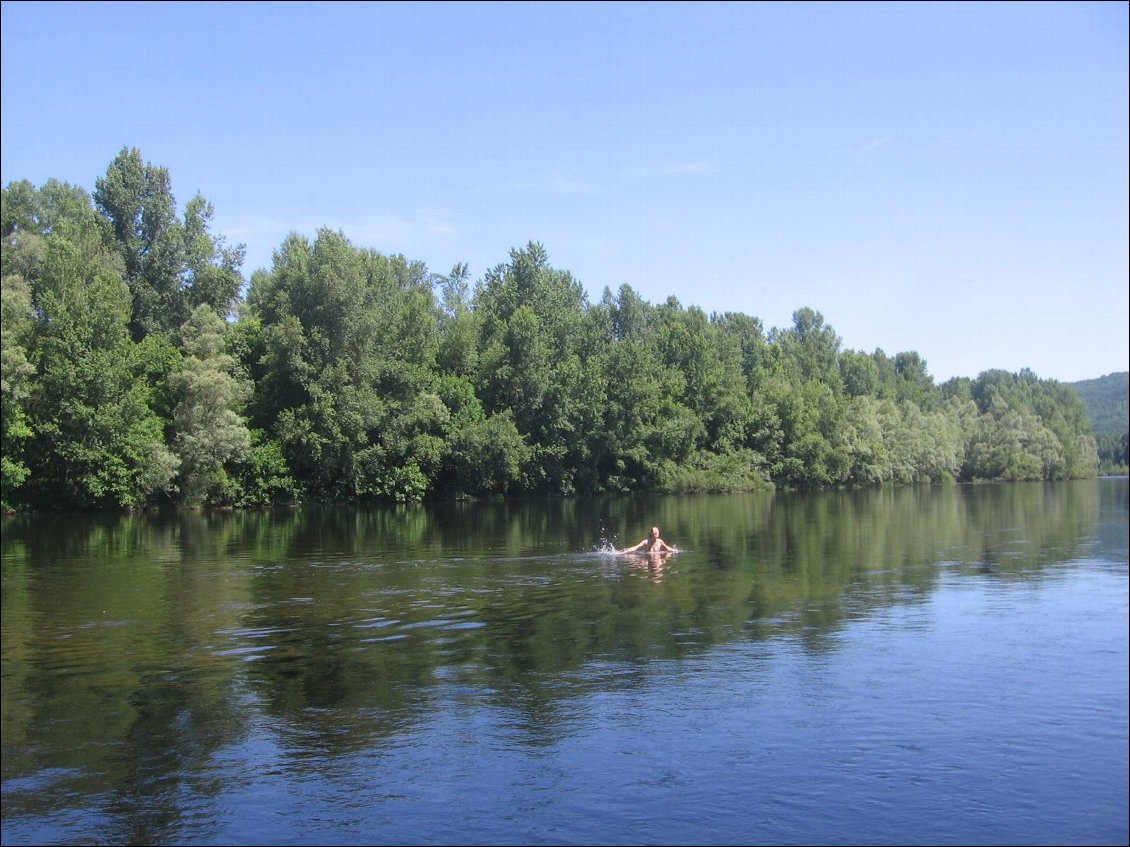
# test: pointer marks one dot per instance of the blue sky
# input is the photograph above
(945, 178)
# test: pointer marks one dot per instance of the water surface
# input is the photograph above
(901, 666)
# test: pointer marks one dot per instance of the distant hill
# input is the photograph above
(1106, 399)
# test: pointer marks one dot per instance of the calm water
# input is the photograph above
(942, 665)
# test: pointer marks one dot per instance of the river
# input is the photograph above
(926, 665)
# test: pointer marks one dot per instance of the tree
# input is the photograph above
(859, 373)
(810, 349)
(805, 395)
(458, 326)
(484, 456)
(98, 442)
(210, 429)
(531, 364)
(347, 347)
(914, 384)
(16, 375)
(171, 266)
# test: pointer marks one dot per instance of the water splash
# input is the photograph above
(607, 545)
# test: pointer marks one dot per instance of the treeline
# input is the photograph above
(1114, 452)
(1106, 401)
(138, 369)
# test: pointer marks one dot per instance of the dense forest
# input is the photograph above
(1107, 399)
(141, 368)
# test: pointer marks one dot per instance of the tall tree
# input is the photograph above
(98, 441)
(806, 393)
(16, 375)
(532, 366)
(171, 265)
(348, 347)
(915, 385)
(458, 325)
(210, 428)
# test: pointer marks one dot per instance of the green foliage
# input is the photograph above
(531, 364)
(487, 457)
(209, 427)
(809, 350)
(261, 477)
(632, 386)
(860, 374)
(16, 376)
(1033, 429)
(171, 265)
(1107, 400)
(458, 326)
(96, 435)
(349, 374)
(346, 341)
(735, 471)
(914, 383)
(1112, 449)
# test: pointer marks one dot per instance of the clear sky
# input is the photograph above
(945, 178)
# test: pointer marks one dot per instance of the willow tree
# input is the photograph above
(16, 374)
(209, 422)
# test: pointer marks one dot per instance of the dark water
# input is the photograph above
(942, 665)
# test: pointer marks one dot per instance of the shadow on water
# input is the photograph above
(137, 649)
